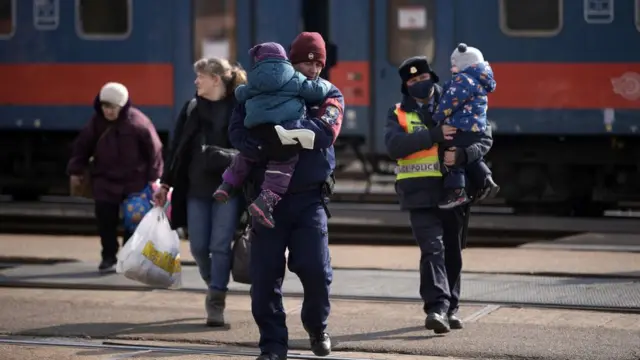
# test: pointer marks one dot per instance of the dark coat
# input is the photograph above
(176, 172)
(425, 192)
(126, 158)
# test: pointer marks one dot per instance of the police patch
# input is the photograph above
(331, 115)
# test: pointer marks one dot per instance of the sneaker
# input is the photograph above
(454, 198)
(107, 266)
(262, 208)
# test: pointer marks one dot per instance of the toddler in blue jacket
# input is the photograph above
(463, 105)
(275, 94)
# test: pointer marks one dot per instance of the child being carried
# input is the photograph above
(275, 94)
(463, 105)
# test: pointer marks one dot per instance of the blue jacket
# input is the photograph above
(423, 193)
(314, 166)
(464, 100)
(277, 93)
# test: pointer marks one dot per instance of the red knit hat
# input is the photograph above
(308, 46)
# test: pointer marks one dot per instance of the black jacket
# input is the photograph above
(176, 170)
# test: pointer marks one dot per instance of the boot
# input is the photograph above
(320, 344)
(223, 193)
(453, 198)
(107, 265)
(489, 190)
(215, 304)
(455, 323)
(437, 322)
(262, 208)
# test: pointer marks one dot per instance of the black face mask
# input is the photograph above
(421, 89)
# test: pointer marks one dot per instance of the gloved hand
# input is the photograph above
(441, 133)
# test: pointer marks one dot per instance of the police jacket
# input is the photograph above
(314, 166)
(422, 186)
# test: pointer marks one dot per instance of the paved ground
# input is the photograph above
(20, 352)
(356, 326)
(506, 260)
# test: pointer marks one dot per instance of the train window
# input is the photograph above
(214, 29)
(411, 29)
(7, 18)
(531, 18)
(103, 19)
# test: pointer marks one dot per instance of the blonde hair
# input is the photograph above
(233, 75)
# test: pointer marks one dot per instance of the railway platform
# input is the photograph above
(532, 301)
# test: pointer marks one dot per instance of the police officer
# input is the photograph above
(412, 138)
(300, 217)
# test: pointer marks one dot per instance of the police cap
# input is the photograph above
(415, 66)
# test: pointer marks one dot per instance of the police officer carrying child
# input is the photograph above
(412, 138)
(300, 217)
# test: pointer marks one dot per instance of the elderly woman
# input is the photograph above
(199, 154)
(116, 154)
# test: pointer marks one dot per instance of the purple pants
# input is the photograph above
(276, 177)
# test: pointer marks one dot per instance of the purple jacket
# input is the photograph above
(126, 159)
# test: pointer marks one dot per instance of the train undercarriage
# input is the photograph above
(34, 163)
(570, 176)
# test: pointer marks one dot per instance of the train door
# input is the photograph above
(282, 20)
(405, 28)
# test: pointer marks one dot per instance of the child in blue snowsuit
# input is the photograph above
(274, 95)
(463, 105)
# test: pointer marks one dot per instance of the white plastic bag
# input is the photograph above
(152, 255)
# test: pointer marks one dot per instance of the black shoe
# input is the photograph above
(437, 322)
(454, 322)
(320, 344)
(223, 193)
(270, 357)
(454, 198)
(107, 265)
(489, 190)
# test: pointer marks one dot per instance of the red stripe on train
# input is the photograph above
(566, 86)
(77, 84)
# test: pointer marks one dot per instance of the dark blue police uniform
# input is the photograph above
(412, 138)
(301, 226)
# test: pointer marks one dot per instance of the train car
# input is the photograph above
(565, 114)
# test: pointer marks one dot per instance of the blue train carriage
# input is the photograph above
(567, 106)
(565, 113)
(54, 57)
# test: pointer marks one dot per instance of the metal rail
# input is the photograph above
(154, 348)
(340, 233)
(368, 298)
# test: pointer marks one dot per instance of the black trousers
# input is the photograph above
(108, 220)
(440, 234)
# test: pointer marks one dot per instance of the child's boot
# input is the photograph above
(262, 208)
(223, 193)
(489, 190)
(453, 198)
